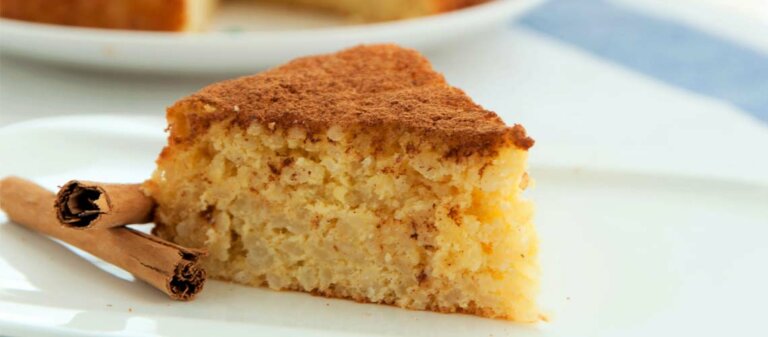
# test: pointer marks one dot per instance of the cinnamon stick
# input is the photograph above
(91, 205)
(173, 269)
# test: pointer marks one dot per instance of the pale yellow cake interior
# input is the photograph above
(378, 216)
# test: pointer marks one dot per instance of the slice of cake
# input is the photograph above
(156, 15)
(384, 10)
(194, 15)
(359, 175)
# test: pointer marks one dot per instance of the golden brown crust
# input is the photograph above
(377, 87)
(449, 5)
(153, 15)
(165, 15)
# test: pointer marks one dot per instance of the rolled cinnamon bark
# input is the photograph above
(91, 205)
(173, 269)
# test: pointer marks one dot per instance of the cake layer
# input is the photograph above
(374, 216)
(359, 175)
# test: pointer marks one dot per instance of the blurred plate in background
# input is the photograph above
(244, 38)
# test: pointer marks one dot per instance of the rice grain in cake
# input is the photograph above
(359, 175)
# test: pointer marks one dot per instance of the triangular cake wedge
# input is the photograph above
(359, 175)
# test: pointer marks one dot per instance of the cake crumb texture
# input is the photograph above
(358, 198)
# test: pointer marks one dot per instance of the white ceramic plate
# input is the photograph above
(622, 254)
(245, 38)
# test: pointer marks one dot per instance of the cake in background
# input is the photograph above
(194, 15)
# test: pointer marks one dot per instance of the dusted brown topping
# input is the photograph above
(367, 86)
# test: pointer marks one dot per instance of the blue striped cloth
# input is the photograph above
(662, 49)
